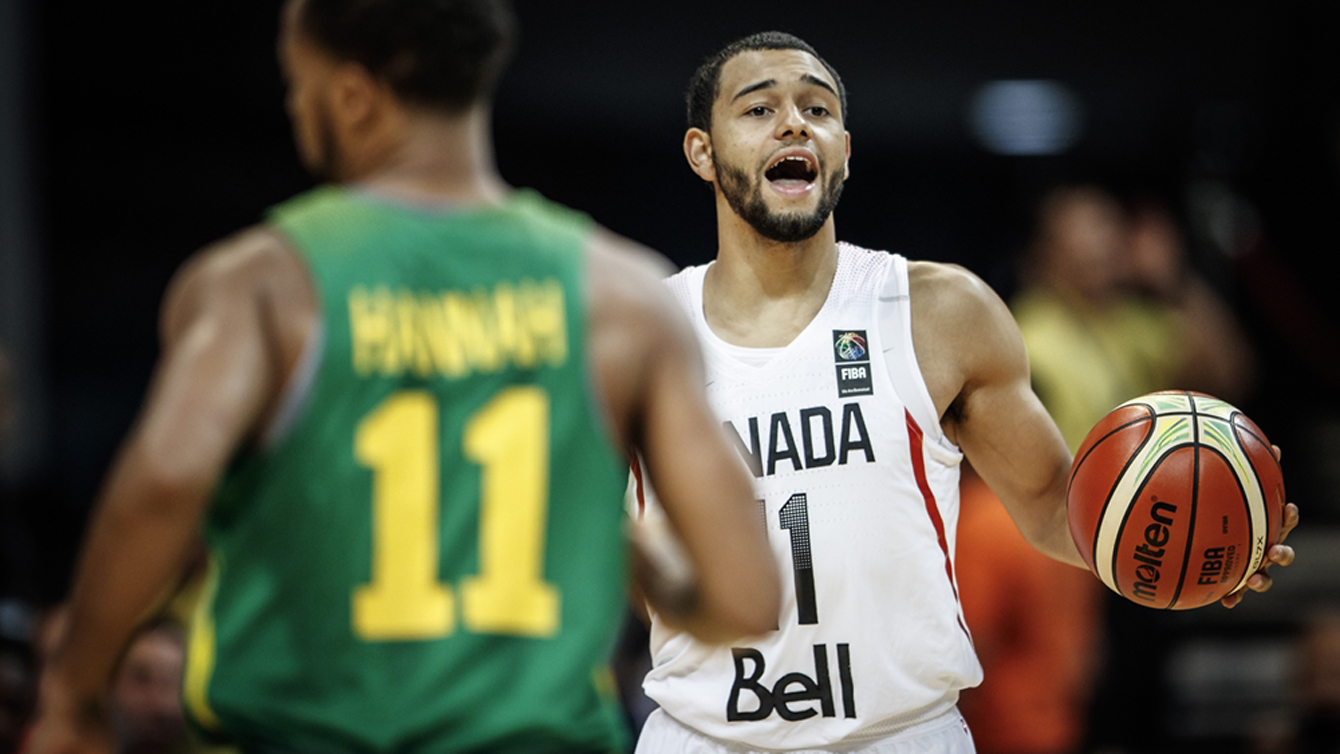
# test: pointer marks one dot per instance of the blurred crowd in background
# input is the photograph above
(1154, 191)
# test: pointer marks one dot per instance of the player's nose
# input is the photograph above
(791, 122)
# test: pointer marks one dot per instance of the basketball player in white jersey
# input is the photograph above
(856, 382)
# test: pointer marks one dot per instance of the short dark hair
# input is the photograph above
(705, 84)
(444, 54)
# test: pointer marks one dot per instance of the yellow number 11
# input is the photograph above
(509, 438)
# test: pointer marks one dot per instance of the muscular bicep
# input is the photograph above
(212, 380)
(1003, 428)
(208, 388)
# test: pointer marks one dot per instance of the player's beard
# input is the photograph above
(745, 196)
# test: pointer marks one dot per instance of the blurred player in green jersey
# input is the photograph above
(399, 412)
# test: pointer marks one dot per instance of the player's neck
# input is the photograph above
(440, 160)
(762, 293)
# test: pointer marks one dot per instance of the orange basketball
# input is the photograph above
(1174, 498)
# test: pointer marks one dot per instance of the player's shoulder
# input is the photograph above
(628, 304)
(626, 277)
(945, 279)
(251, 263)
(249, 255)
(952, 302)
(621, 255)
(970, 324)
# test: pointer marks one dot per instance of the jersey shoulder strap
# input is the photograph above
(894, 314)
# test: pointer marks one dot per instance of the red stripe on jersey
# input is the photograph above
(637, 484)
(915, 435)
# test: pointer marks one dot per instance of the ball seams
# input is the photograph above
(1117, 476)
(1089, 451)
(1107, 500)
(1126, 515)
(1195, 501)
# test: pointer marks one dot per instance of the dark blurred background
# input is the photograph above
(131, 134)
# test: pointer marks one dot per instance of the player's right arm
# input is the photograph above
(218, 372)
(651, 375)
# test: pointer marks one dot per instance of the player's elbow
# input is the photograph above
(1047, 529)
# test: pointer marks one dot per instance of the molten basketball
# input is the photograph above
(1174, 499)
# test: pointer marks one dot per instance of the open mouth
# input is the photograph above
(792, 172)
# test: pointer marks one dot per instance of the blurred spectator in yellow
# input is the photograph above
(1210, 350)
(1090, 346)
(1110, 310)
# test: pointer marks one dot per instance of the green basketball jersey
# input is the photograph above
(428, 555)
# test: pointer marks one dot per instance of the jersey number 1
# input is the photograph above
(795, 518)
(509, 438)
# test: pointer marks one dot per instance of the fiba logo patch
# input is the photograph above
(851, 357)
(850, 346)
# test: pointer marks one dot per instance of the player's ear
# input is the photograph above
(846, 166)
(356, 96)
(698, 151)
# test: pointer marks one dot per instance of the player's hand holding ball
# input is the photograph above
(1176, 500)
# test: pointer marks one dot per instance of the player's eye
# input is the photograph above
(818, 111)
(758, 111)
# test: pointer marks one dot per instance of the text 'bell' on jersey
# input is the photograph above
(429, 557)
(859, 489)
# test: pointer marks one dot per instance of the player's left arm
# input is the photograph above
(995, 417)
(211, 383)
(1007, 434)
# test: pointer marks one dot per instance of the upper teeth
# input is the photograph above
(797, 159)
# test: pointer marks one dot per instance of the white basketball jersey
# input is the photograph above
(860, 491)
